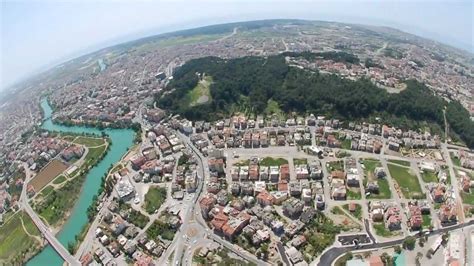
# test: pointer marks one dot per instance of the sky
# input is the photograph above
(38, 34)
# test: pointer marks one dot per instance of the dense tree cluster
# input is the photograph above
(459, 120)
(341, 57)
(258, 80)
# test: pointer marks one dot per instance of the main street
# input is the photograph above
(192, 215)
(331, 254)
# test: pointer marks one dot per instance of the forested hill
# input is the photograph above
(257, 81)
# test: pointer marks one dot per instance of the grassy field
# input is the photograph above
(89, 142)
(200, 94)
(400, 162)
(370, 165)
(94, 154)
(59, 179)
(384, 187)
(346, 144)
(16, 246)
(426, 220)
(456, 161)
(408, 182)
(381, 230)
(154, 198)
(353, 194)
(429, 176)
(45, 192)
(357, 213)
(335, 165)
(467, 198)
(68, 137)
(47, 174)
(384, 190)
(297, 161)
(270, 161)
(188, 40)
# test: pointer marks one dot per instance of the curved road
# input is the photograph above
(328, 257)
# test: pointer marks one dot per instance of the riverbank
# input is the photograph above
(19, 240)
(55, 207)
(121, 140)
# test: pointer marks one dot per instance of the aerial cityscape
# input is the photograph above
(268, 142)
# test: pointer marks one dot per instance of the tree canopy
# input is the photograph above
(258, 80)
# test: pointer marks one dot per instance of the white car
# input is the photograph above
(136, 200)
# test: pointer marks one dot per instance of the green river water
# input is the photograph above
(122, 139)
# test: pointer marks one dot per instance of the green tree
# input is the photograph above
(409, 242)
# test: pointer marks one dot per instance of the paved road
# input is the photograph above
(55, 244)
(281, 249)
(204, 173)
(332, 254)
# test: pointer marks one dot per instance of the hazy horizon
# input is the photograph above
(47, 34)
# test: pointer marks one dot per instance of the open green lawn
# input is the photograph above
(346, 144)
(467, 198)
(337, 210)
(94, 154)
(384, 187)
(46, 190)
(429, 176)
(384, 190)
(381, 230)
(357, 213)
(426, 220)
(200, 94)
(59, 179)
(353, 194)
(270, 161)
(297, 161)
(408, 182)
(68, 137)
(335, 165)
(400, 162)
(370, 165)
(154, 198)
(456, 161)
(89, 141)
(15, 244)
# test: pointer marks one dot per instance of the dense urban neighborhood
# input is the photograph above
(178, 150)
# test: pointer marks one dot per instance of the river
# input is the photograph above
(122, 139)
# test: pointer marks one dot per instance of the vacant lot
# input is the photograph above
(467, 198)
(297, 161)
(381, 230)
(407, 181)
(154, 198)
(16, 245)
(357, 213)
(270, 161)
(384, 187)
(429, 176)
(335, 165)
(48, 173)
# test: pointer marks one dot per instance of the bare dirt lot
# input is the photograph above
(47, 174)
